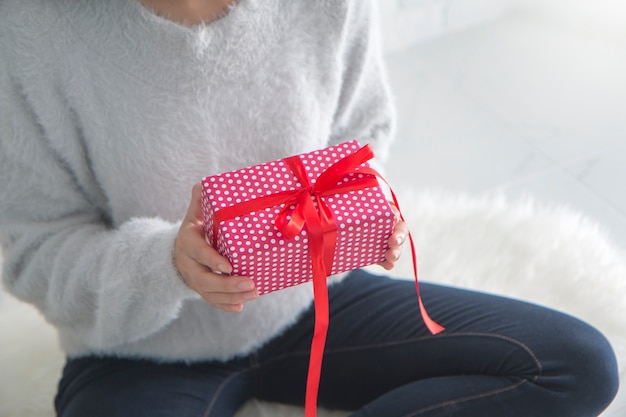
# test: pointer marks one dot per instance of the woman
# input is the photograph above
(111, 111)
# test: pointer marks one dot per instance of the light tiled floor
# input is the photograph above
(520, 106)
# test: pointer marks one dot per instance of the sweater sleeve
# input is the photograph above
(105, 285)
(365, 109)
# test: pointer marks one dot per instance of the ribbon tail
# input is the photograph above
(320, 290)
(431, 324)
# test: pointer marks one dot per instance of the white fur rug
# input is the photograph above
(546, 254)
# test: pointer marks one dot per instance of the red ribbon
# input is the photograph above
(304, 206)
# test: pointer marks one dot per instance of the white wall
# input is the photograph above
(597, 17)
(405, 22)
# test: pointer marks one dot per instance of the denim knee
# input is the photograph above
(584, 371)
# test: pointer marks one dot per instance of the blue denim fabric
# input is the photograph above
(498, 357)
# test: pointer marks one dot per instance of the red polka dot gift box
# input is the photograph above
(302, 218)
(265, 218)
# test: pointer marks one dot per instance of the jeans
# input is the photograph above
(498, 357)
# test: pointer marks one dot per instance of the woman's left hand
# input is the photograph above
(396, 241)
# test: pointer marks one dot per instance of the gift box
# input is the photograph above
(249, 215)
(303, 218)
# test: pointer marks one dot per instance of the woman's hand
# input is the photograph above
(203, 269)
(396, 240)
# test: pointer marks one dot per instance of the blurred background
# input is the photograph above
(521, 97)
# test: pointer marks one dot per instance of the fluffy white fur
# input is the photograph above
(547, 254)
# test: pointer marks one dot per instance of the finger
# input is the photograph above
(230, 302)
(208, 257)
(210, 282)
(194, 211)
(388, 265)
(393, 254)
(217, 298)
(194, 259)
(200, 249)
(396, 211)
(399, 235)
(230, 308)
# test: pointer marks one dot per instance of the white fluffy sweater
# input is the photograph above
(109, 114)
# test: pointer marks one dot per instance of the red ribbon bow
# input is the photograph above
(304, 206)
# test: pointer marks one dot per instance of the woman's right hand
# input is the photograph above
(203, 269)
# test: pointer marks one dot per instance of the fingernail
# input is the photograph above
(245, 285)
(400, 239)
(250, 295)
(223, 268)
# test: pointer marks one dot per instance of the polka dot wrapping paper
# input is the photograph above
(302, 218)
(256, 247)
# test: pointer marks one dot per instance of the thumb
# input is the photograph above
(194, 211)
